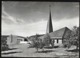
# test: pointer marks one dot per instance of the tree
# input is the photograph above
(47, 40)
(40, 43)
(4, 45)
(74, 38)
(66, 40)
(36, 42)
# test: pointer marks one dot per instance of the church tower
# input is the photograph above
(49, 23)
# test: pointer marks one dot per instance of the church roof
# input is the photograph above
(58, 33)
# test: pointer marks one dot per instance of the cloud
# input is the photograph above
(65, 10)
(27, 18)
(7, 18)
(66, 23)
(34, 11)
(37, 27)
(5, 15)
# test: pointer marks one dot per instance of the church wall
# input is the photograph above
(58, 43)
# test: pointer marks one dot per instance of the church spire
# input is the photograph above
(49, 24)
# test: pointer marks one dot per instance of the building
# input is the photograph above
(12, 39)
(57, 36)
(49, 24)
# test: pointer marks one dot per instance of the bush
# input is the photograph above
(4, 47)
(72, 39)
(40, 43)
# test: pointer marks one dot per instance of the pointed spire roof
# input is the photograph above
(49, 24)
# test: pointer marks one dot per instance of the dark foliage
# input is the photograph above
(75, 50)
(4, 45)
(72, 38)
(39, 43)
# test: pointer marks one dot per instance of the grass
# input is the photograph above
(74, 50)
(45, 51)
(48, 52)
(10, 53)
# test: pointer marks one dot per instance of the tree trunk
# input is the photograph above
(43, 49)
(37, 49)
(52, 43)
(76, 47)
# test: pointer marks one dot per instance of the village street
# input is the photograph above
(23, 51)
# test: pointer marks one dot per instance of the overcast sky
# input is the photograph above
(29, 18)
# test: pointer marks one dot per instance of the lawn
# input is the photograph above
(22, 50)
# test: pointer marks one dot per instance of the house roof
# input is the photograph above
(21, 36)
(13, 35)
(4, 35)
(33, 36)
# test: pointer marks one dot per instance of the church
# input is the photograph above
(57, 36)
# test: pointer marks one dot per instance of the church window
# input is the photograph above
(57, 40)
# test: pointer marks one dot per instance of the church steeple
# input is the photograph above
(49, 24)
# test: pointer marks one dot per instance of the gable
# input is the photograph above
(58, 33)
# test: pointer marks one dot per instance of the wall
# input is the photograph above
(14, 39)
(59, 42)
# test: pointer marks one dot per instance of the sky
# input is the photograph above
(30, 18)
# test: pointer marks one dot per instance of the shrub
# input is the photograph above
(72, 38)
(4, 45)
(41, 43)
